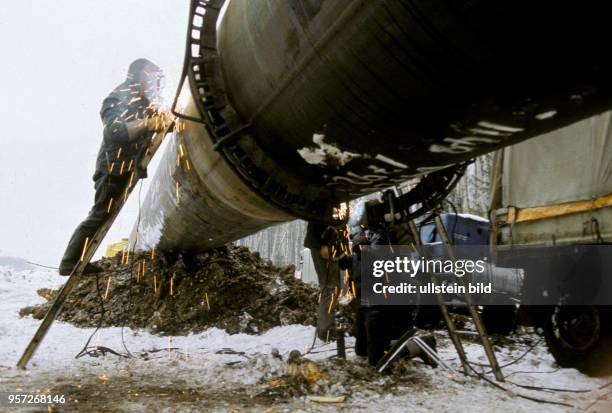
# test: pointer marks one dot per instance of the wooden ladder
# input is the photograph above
(89, 249)
(453, 333)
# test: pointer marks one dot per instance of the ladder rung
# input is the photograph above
(467, 333)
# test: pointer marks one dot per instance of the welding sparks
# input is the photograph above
(331, 303)
(108, 283)
(84, 248)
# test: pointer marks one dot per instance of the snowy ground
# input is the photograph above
(214, 371)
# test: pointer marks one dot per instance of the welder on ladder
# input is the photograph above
(130, 118)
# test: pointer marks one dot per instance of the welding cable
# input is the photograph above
(42, 266)
(523, 396)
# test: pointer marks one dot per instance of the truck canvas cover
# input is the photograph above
(545, 178)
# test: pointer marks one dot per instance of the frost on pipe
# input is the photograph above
(195, 201)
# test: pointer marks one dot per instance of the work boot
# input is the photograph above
(90, 269)
(430, 340)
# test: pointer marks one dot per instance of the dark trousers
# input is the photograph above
(328, 274)
(380, 325)
(107, 187)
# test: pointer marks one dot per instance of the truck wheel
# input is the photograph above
(499, 319)
(572, 333)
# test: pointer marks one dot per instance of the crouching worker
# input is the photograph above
(130, 119)
(377, 327)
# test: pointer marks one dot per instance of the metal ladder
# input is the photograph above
(453, 333)
(89, 250)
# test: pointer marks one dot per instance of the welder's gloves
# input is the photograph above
(158, 122)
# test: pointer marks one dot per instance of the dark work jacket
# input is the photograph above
(117, 155)
(376, 238)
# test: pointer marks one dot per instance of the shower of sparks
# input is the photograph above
(155, 283)
(84, 249)
(110, 205)
(122, 166)
(206, 299)
(341, 212)
(331, 303)
(153, 253)
(108, 283)
(172, 285)
(178, 197)
(119, 152)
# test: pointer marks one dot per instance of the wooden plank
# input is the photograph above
(550, 211)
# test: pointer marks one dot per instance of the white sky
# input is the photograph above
(59, 60)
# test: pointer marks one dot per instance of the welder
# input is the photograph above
(130, 117)
(376, 326)
(322, 239)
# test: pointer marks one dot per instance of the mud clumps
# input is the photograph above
(229, 288)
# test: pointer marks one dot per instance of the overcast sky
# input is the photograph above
(59, 61)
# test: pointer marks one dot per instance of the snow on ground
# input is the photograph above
(214, 371)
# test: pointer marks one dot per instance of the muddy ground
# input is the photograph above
(229, 287)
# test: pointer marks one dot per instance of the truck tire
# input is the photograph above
(572, 333)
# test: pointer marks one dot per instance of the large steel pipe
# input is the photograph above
(327, 100)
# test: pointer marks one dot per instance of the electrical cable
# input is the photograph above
(41, 265)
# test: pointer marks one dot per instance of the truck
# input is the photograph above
(556, 190)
